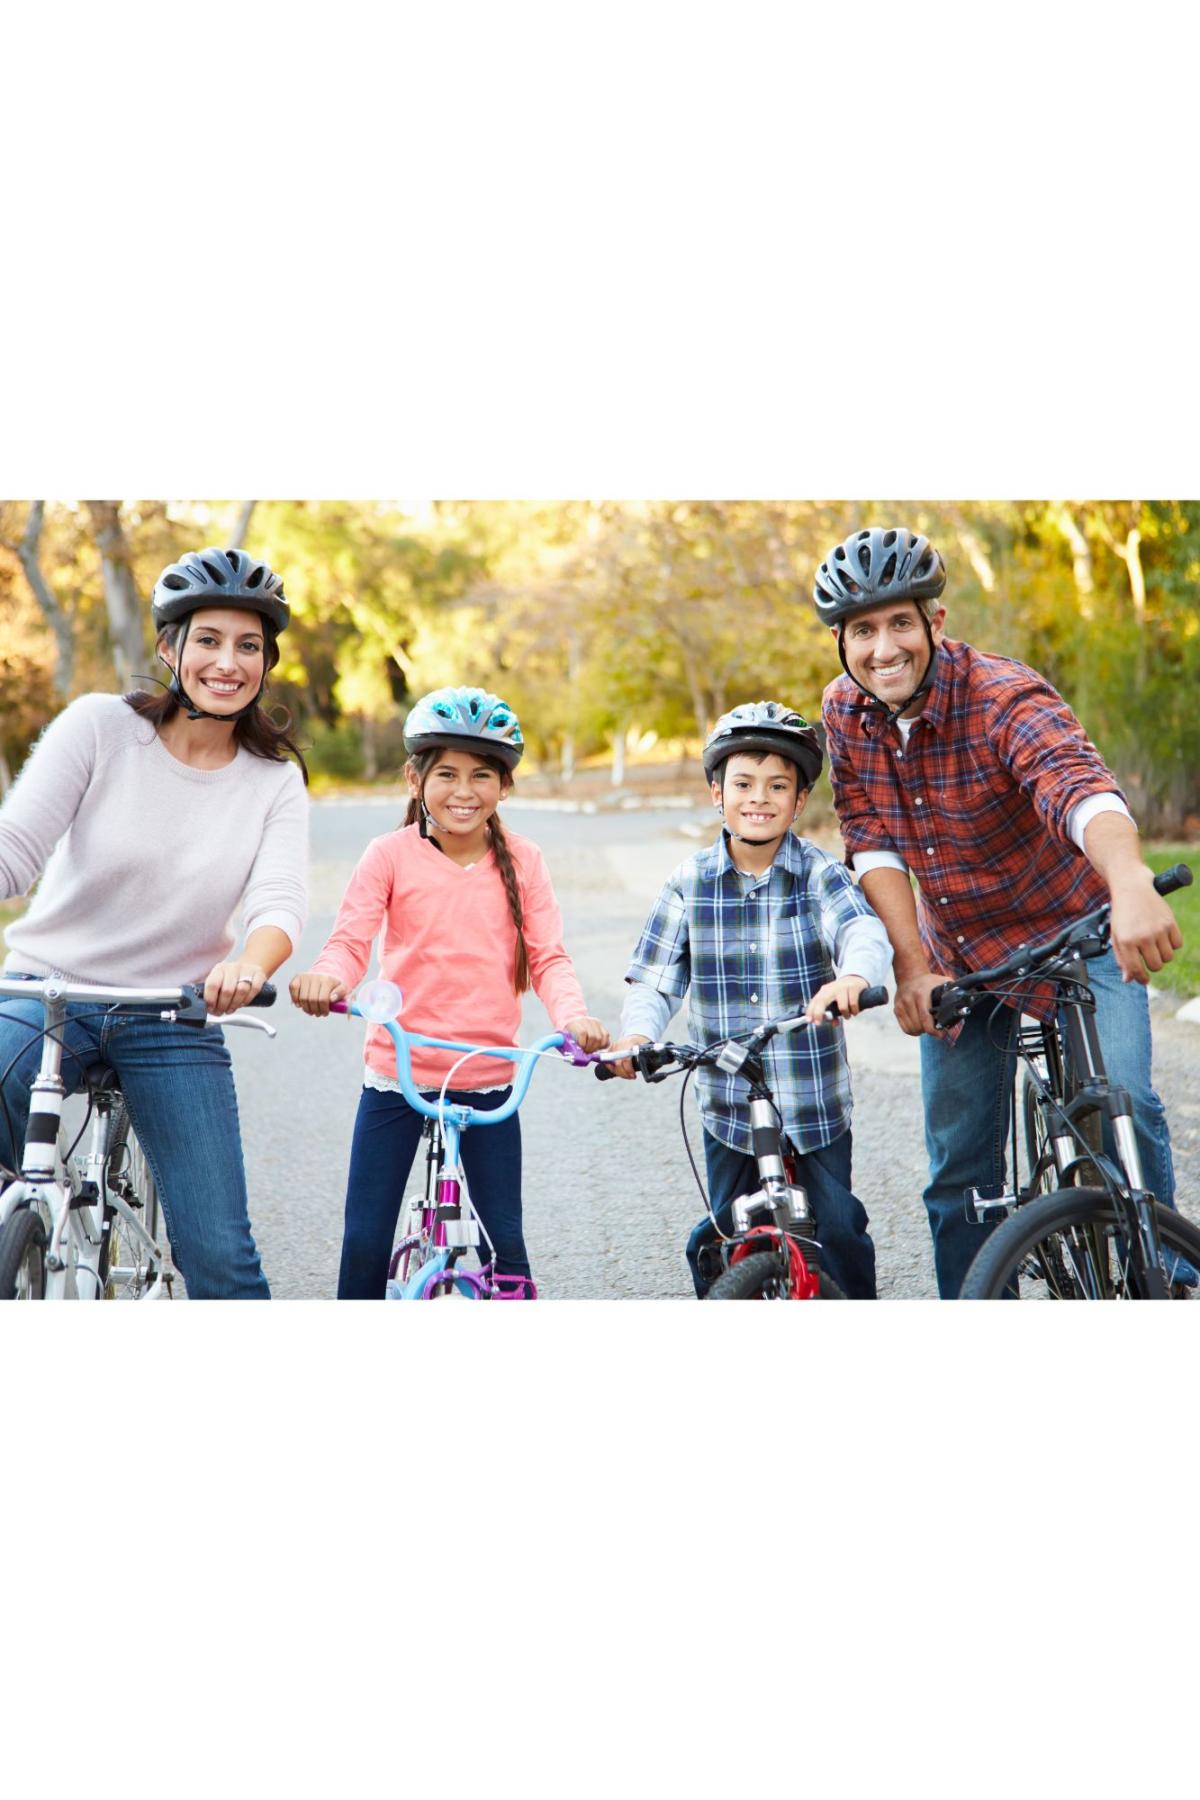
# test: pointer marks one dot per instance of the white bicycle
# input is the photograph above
(86, 1224)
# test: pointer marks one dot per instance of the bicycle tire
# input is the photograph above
(1067, 1244)
(119, 1248)
(760, 1276)
(1034, 1132)
(23, 1257)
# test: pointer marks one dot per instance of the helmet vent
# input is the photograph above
(212, 571)
(864, 555)
(889, 571)
(889, 538)
(177, 583)
(255, 576)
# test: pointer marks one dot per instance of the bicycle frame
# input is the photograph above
(73, 1211)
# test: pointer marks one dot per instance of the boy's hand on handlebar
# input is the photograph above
(626, 1069)
(313, 993)
(588, 1033)
(229, 985)
(912, 1004)
(842, 993)
(1144, 933)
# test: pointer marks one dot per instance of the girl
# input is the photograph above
(166, 810)
(469, 922)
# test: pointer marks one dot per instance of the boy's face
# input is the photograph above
(761, 797)
(886, 648)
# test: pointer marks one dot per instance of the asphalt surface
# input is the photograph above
(609, 1196)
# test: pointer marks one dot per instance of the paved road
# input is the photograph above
(609, 1196)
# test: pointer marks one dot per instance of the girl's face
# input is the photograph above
(461, 792)
(223, 659)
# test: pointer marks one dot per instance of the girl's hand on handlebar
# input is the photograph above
(229, 985)
(588, 1033)
(313, 993)
(842, 993)
(625, 1069)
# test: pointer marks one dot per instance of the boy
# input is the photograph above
(759, 925)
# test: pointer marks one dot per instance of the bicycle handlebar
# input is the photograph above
(955, 999)
(187, 1001)
(649, 1058)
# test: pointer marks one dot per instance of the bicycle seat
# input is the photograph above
(100, 1079)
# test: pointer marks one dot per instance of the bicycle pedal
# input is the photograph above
(987, 1209)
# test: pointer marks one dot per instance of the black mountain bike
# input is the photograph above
(773, 1251)
(1082, 1224)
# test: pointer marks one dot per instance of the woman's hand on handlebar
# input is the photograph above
(588, 1033)
(314, 993)
(626, 1069)
(229, 985)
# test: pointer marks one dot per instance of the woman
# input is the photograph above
(152, 817)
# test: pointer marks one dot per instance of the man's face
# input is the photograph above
(887, 650)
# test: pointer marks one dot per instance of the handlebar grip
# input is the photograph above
(604, 1072)
(935, 998)
(872, 996)
(1179, 876)
(265, 995)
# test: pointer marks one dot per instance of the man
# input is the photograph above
(970, 773)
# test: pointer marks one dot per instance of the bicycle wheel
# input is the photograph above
(23, 1257)
(763, 1276)
(1068, 1245)
(128, 1267)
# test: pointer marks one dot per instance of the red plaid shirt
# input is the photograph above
(976, 806)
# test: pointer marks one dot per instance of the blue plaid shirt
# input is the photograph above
(757, 947)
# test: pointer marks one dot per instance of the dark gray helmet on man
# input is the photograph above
(873, 567)
(765, 725)
(218, 578)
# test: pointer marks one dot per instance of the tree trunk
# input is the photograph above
(618, 762)
(57, 618)
(370, 748)
(121, 596)
(243, 525)
(1081, 553)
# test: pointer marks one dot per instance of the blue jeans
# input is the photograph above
(386, 1134)
(178, 1086)
(967, 1088)
(849, 1254)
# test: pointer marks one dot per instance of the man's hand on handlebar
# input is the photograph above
(1144, 932)
(912, 1004)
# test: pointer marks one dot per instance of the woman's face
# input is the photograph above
(461, 792)
(224, 659)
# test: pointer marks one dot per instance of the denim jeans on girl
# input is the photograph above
(178, 1086)
(849, 1254)
(967, 1088)
(386, 1134)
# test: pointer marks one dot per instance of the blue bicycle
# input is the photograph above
(440, 1226)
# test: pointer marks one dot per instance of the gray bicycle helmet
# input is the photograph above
(218, 578)
(765, 725)
(465, 718)
(874, 566)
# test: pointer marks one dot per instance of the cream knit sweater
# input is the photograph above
(143, 859)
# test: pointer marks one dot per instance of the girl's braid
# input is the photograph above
(507, 869)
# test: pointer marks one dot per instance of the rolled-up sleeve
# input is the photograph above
(277, 891)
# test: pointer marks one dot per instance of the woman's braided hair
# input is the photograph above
(421, 763)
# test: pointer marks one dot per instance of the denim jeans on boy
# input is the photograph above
(849, 1254)
(178, 1086)
(386, 1134)
(967, 1088)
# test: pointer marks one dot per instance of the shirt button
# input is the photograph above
(943, 901)
(754, 999)
(929, 849)
(899, 756)
(961, 940)
(918, 801)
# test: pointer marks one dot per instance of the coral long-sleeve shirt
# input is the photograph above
(449, 943)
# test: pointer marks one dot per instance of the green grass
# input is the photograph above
(1181, 976)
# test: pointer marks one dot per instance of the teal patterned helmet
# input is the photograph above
(465, 718)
